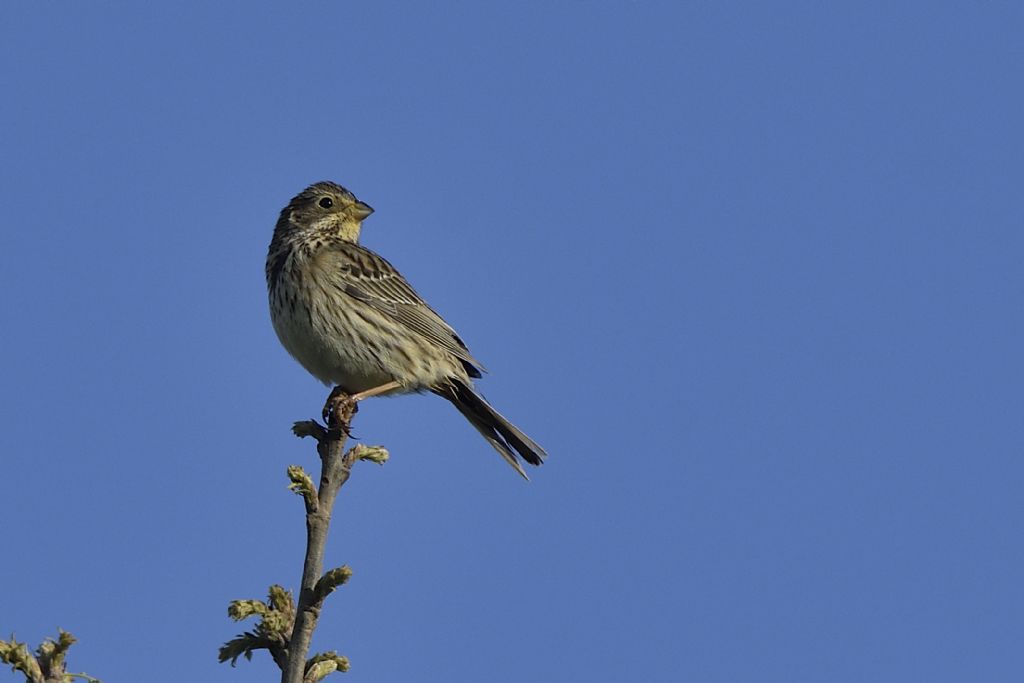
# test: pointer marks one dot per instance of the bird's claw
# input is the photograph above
(338, 410)
(330, 405)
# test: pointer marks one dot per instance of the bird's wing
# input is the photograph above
(369, 278)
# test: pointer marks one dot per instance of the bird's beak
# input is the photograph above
(361, 210)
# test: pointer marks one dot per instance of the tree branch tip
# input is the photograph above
(18, 656)
(280, 598)
(243, 609)
(277, 618)
(47, 664)
(320, 666)
(302, 484)
(330, 581)
(377, 454)
(84, 677)
(242, 646)
(312, 428)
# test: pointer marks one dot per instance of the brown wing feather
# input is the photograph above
(370, 278)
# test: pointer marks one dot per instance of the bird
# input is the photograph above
(351, 320)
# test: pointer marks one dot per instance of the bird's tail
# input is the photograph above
(506, 438)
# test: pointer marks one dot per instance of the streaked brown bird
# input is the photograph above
(353, 321)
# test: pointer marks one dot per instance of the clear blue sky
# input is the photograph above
(750, 272)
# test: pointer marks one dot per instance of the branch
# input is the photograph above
(277, 617)
(47, 664)
(336, 466)
(286, 628)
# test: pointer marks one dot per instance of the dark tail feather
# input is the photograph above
(506, 438)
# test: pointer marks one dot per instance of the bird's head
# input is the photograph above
(325, 207)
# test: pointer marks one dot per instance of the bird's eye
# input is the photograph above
(326, 202)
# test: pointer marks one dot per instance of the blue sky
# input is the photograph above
(750, 272)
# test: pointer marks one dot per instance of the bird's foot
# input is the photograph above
(341, 406)
(339, 409)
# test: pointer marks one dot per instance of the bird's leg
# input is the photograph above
(375, 391)
(339, 396)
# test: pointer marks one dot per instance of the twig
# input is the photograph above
(336, 466)
(47, 665)
(285, 629)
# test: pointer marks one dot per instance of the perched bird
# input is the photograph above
(352, 320)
